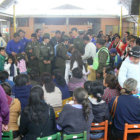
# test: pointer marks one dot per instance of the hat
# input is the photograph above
(135, 52)
(33, 35)
(46, 36)
(113, 50)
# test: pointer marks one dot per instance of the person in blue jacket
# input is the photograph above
(38, 34)
(14, 46)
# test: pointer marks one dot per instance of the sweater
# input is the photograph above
(127, 111)
(72, 121)
(129, 70)
(2, 61)
(22, 93)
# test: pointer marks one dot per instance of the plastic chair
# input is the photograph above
(52, 137)
(7, 135)
(81, 136)
(101, 126)
(131, 128)
(66, 101)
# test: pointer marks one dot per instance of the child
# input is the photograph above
(77, 79)
(87, 86)
(21, 64)
(91, 73)
(11, 68)
(2, 58)
(99, 107)
(108, 70)
(111, 83)
(77, 117)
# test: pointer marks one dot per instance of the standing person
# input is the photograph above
(130, 67)
(77, 117)
(126, 34)
(61, 55)
(101, 59)
(14, 46)
(2, 58)
(4, 112)
(38, 118)
(107, 41)
(38, 35)
(90, 35)
(90, 49)
(100, 34)
(46, 54)
(2, 41)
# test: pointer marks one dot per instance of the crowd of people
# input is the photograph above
(37, 74)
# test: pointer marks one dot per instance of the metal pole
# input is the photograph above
(14, 18)
(121, 23)
(138, 28)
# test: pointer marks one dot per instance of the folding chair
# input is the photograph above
(81, 136)
(131, 128)
(101, 126)
(52, 137)
(66, 101)
(7, 135)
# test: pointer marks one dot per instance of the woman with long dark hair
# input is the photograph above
(38, 118)
(52, 94)
(76, 117)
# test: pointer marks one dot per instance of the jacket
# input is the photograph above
(2, 42)
(4, 110)
(31, 130)
(2, 61)
(129, 70)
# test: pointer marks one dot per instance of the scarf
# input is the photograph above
(12, 70)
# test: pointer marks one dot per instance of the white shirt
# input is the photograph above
(90, 51)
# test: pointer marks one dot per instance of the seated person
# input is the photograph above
(37, 118)
(52, 94)
(77, 117)
(22, 89)
(77, 80)
(127, 110)
(111, 90)
(99, 107)
(61, 84)
(15, 109)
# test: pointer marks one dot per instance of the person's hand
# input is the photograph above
(30, 51)
(4, 127)
(14, 54)
(45, 62)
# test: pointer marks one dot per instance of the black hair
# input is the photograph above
(74, 29)
(58, 32)
(138, 41)
(47, 80)
(90, 61)
(2, 48)
(37, 30)
(7, 88)
(33, 35)
(59, 79)
(109, 70)
(100, 41)
(20, 57)
(97, 90)
(109, 39)
(36, 108)
(111, 81)
(81, 97)
(76, 56)
(20, 30)
(16, 35)
(128, 33)
(21, 80)
(3, 76)
(77, 73)
(117, 36)
(87, 86)
(12, 58)
(86, 38)
(0, 34)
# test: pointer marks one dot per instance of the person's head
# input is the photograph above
(108, 70)
(47, 81)
(138, 41)
(58, 34)
(100, 43)
(33, 37)
(97, 90)
(21, 33)
(46, 38)
(89, 34)
(113, 52)
(117, 38)
(110, 81)
(101, 32)
(80, 96)
(10, 60)
(16, 37)
(21, 80)
(134, 55)
(2, 51)
(59, 79)
(129, 87)
(38, 32)
(90, 61)
(107, 38)
(86, 39)
(76, 56)
(20, 57)
(36, 108)
(77, 73)
(3, 76)
(66, 40)
(87, 86)
(132, 42)
(7, 88)
(126, 34)
(74, 32)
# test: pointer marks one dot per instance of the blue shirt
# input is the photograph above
(24, 42)
(13, 46)
(11, 83)
(40, 39)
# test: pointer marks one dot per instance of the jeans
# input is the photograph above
(96, 135)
